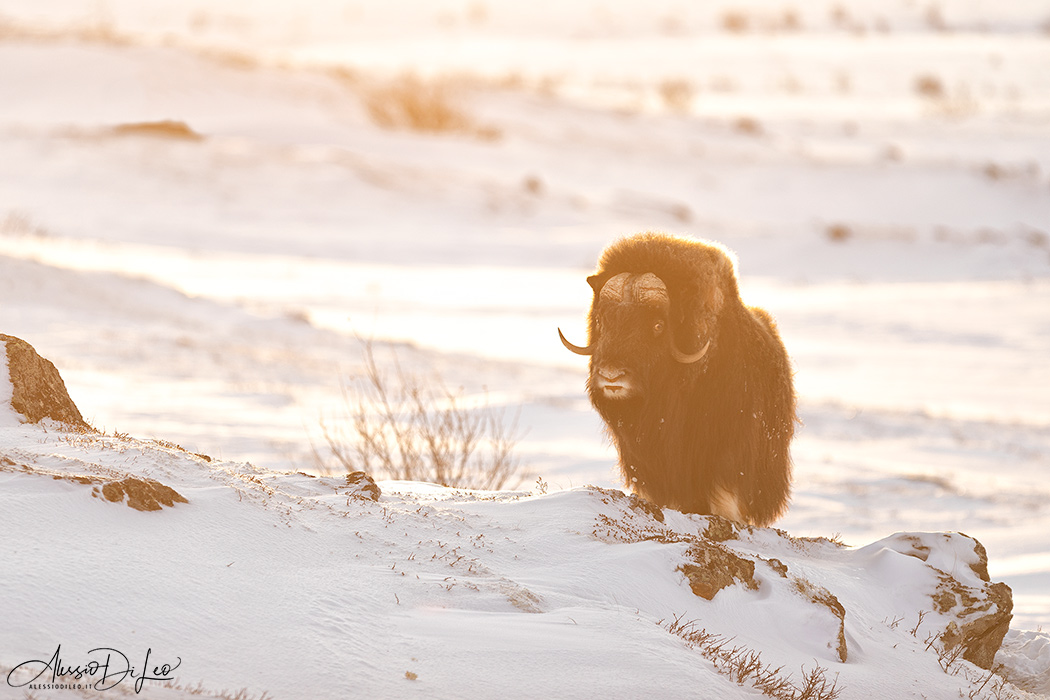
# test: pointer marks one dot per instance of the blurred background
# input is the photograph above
(206, 208)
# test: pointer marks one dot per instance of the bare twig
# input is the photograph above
(407, 429)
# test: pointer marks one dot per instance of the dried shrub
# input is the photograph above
(838, 233)
(736, 22)
(930, 87)
(840, 17)
(677, 94)
(533, 184)
(164, 129)
(934, 18)
(790, 22)
(410, 103)
(748, 125)
(410, 429)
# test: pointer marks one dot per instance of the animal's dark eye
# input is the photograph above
(658, 328)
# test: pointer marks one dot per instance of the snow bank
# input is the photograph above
(294, 585)
(1027, 655)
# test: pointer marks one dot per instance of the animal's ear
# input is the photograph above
(595, 281)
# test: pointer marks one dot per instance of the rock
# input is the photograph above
(142, 494)
(715, 568)
(982, 618)
(720, 529)
(778, 566)
(38, 389)
(978, 611)
(979, 567)
(824, 598)
(363, 486)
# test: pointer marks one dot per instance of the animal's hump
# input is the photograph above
(678, 261)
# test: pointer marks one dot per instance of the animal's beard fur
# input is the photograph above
(635, 428)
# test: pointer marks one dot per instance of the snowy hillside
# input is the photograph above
(302, 586)
(205, 207)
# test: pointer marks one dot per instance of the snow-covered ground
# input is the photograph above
(288, 584)
(882, 171)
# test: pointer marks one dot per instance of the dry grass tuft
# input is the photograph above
(930, 86)
(748, 126)
(164, 129)
(677, 94)
(745, 666)
(736, 22)
(416, 105)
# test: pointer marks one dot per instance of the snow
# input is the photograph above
(8, 416)
(215, 292)
(286, 583)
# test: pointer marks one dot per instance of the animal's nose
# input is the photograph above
(611, 375)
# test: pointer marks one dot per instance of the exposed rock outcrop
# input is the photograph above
(713, 567)
(982, 617)
(822, 597)
(363, 486)
(965, 608)
(976, 611)
(39, 391)
(142, 494)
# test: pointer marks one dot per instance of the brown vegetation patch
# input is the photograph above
(930, 86)
(838, 233)
(417, 105)
(164, 129)
(677, 94)
(748, 126)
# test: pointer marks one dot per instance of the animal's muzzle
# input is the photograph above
(614, 383)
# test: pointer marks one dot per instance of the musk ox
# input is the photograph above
(694, 387)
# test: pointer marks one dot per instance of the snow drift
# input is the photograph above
(295, 585)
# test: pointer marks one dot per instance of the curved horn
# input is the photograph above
(688, 359)
(650, 289)
(615, 288)
(589, 350)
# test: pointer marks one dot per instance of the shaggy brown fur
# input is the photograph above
(708, 437)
